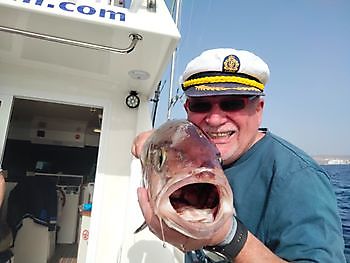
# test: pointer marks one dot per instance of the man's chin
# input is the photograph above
(223, 149)
(227, 152)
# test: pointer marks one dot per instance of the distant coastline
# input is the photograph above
(332, 159)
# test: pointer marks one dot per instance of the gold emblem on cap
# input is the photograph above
(231, 64)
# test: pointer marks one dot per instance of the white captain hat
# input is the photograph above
(225, 71)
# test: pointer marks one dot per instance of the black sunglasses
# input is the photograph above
(226, 104)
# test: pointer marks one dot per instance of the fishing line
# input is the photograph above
(162, 230)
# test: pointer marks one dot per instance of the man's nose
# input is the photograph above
(216, 116)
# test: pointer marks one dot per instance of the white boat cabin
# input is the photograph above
(76, 81)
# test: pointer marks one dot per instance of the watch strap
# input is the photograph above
(232, 249)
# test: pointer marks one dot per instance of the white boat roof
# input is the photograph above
(96, 24)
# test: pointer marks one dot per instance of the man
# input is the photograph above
(2, 188)
(286, 208)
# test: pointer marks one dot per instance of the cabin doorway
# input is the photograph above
(50, 158)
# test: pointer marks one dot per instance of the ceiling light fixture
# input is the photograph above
(138, 74)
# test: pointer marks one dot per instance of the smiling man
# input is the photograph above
(233, 134)
(285, 206)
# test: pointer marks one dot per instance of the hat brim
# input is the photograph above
(220, 89)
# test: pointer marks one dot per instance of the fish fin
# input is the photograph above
(140, 228)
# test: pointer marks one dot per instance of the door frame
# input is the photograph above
(6, 103)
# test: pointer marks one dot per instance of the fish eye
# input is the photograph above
(159, 158)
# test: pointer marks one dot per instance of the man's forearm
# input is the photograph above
(255, 251)
(2, 188)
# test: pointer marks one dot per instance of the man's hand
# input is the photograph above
(172, 236)
(138, 143)
(2, 188)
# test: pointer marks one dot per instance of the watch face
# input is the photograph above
(132, 101)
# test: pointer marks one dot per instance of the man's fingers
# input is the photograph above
(138, 143)
(144, 204)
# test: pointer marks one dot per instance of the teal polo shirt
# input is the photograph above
(287, 201)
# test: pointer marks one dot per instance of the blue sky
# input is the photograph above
(306, 44)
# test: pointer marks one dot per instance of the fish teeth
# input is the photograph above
(197, 215)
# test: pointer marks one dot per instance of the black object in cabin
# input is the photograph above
(34, 197)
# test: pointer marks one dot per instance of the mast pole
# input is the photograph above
(170, 99)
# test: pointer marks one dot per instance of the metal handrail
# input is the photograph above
(134, 39)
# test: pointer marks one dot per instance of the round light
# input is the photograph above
(132, 100)
(138, 74)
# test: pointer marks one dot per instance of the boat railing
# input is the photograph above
(131, 5)
(134, 39)
(135, 4)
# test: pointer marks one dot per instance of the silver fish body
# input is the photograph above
(186, 185)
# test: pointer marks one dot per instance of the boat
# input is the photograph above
(76, 85)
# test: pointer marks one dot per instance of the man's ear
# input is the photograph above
(186, 105)
(259, 109)
(261, 104)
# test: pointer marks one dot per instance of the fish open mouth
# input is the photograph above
(196, 202)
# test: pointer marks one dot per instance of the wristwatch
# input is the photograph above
(230, 250)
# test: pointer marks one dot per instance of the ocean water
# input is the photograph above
(340, 178)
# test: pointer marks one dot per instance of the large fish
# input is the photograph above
(186, 185)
